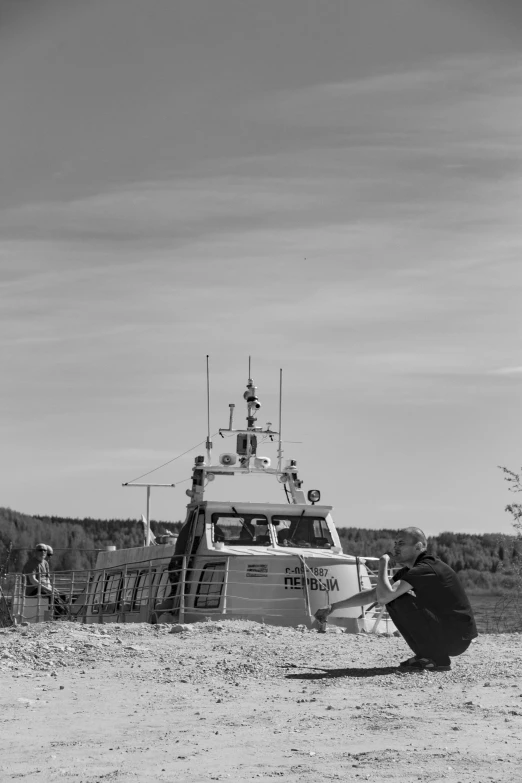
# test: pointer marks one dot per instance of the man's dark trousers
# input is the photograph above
(428, 635)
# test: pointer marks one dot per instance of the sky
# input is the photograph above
(331, 188)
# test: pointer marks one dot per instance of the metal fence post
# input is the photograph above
(69, 609)
(225, 585)
(305, 586)
(379, 618)
(38, 603)
(85, 607)
(20, 586)
(149, 601)
(359, 582)
(123, 591)
(52, 597)
(102, 596)
(182, 588)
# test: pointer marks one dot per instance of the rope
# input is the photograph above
(170, 461)
(301, 557)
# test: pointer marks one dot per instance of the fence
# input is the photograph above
(55, 601)
(143, 591)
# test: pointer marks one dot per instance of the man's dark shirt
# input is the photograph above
(438, 589)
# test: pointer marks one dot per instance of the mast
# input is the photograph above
(208, 444)
(280, 443)
(245, 459)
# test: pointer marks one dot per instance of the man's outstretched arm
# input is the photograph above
(359, 599)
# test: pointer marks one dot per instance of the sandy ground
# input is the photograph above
(240, 701)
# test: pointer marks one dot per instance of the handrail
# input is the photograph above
(182, 590)
(127, 594)
(377, 612)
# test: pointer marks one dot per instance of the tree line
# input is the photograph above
(485, 562)
(76, 542)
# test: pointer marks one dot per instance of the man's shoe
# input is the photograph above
(409, 662)
(423, 665)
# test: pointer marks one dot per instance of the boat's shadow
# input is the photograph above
(328, 674)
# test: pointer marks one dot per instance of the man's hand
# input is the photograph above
(322, 614)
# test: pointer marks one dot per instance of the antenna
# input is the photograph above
(280, 447)
(209, 442)
(249, 374)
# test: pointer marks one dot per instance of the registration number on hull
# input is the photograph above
(315, 570)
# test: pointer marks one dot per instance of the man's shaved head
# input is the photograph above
(415, 536)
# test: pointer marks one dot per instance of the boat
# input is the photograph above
(272, 562)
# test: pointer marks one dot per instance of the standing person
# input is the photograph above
(425, 600)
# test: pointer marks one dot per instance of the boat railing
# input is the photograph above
(376, 614)
(147, 589)
(55, 600)
(224, 588)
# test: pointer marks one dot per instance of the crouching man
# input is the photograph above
(426, 602)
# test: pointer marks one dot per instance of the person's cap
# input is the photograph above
(41, 547)
(50, 550)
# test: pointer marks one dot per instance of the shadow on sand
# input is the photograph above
(324, 674)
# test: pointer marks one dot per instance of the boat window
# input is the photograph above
(210, 587)
(128, 592)
(303, 531)
(111, 594)
(241, 529)
(174, 569)
(96, 600)
(142, 590)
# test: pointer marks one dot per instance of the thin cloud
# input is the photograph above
(422, 98)
(156, 208)
(507, 371)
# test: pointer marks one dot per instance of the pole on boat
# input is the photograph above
(147, 534)
(280, 446)
(209, 442)
(146, 518)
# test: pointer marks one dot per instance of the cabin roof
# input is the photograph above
(134, 555)
(266, 508)
(293, 552)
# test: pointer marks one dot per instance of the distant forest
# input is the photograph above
(484, 562)
(75, 541)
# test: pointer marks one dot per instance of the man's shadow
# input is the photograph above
(327, 674)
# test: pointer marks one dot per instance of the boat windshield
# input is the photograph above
(303, 531)
(241, 529)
